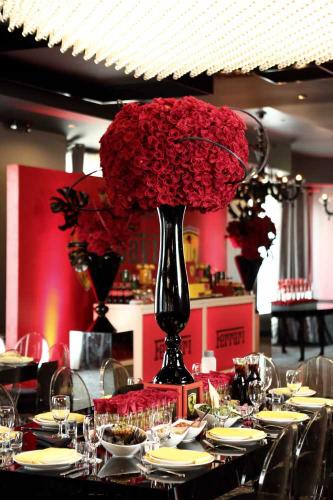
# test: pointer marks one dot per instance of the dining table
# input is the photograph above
(121, 478)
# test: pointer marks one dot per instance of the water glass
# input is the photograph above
(60, 408)
(71, 432)
(277, 401)
(6, 452)
(294, 381)
(7, 416)
(16, 441)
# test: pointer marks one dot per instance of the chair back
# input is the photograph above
(5, 397)
(68, 382)
(59, 353)
(276, 475)
(33, 345)
(113, 376)
(310, 456)
(318, 375)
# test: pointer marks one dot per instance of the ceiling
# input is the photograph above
(60, 93)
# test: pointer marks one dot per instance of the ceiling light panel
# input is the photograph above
(158, 38)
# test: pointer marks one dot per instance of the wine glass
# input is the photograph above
(294, 381)
(7, 416)
(60, 408)
(92, 432)
(257, 394)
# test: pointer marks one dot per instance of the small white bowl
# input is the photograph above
(172, 440)
(123, 450)
(192, 432)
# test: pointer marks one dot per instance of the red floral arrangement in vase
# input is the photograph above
(251, 233)
(171, 154)
(150, 157)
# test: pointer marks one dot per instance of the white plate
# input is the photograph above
(47, 424)
(309, 392)
(283, 421)
(308, 404)
(237, 440)
(53, 466)
(178, 466)
(192, 432)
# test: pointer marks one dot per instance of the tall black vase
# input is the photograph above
(102, 270)
(248, 270)
(172, 300)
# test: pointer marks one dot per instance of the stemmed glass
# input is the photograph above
(92, 432)
(257, 394)
(7, 416)
(60, 408)
(294, 381)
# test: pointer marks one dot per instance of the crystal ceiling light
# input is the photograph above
(158, 38)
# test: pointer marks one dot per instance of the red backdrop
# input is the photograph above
(43, 293)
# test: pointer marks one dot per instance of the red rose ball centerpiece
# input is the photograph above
(169, 155)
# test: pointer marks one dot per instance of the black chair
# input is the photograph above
(310, 461)
(36, 399)
(275, 479)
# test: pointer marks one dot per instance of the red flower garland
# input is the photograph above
(144, 165)
(250, 233)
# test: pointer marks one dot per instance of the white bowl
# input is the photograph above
(123, 450)
(172, 440)
(212, 420)
(192, 432)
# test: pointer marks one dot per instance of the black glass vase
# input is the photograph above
(172, 300)
(102, 271)
(248, 270)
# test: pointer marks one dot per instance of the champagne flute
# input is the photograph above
(60, 408)
(294, 381)
(92, 432)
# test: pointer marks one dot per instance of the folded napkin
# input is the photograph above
(45, 440)
(310, 401)
(49, 456)
(237, 433)
(47, 417)
(280, 415)
(176, 455)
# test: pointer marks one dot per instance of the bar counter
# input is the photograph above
(225, 325)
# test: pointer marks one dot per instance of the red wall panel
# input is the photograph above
(229, 332)
(153, 343)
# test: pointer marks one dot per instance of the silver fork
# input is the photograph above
(223, 445)
(148, 469)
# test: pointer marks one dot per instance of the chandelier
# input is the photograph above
(158, 38)
(251, 194)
